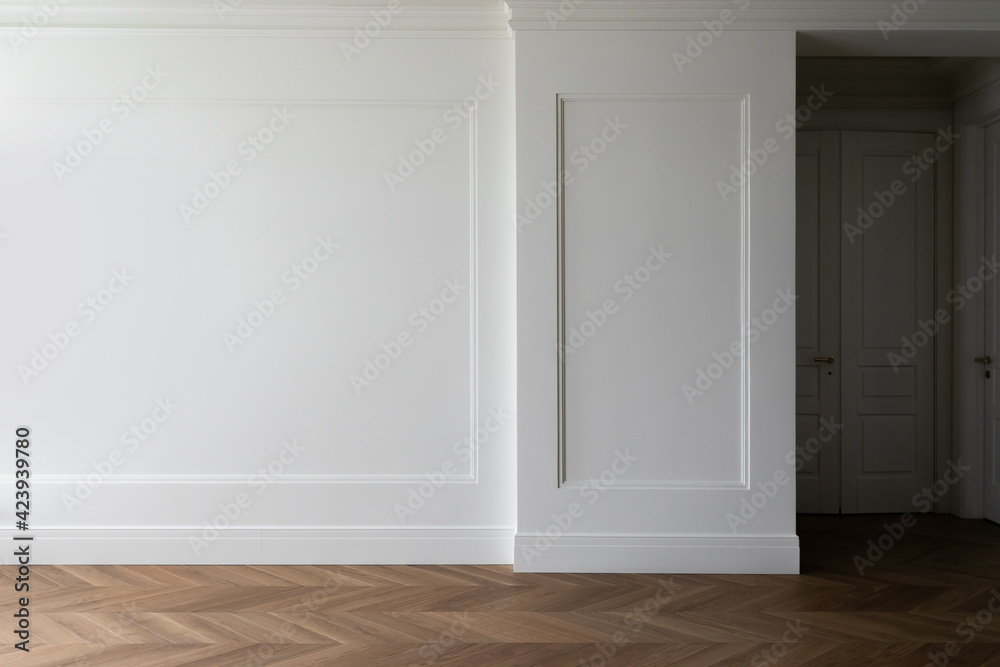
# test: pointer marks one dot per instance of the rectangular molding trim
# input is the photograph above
(466, 478)
(471, 476)
(270, 546)
(658, 554)
(563, 480)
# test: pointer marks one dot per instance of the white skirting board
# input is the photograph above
(414, 546)
(658, 554)
(266, 546)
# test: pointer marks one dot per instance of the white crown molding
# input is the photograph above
(482, 18)
(302, 18)
(748, 14)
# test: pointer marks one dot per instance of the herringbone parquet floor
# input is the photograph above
(909, 603)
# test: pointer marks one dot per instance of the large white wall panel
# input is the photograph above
(637, 278)
(635, 234)
(279, 287)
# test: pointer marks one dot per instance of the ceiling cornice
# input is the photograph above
(486, 18)
(398, 18)
(751, 14)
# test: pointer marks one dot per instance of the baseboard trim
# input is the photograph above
(411, 546)
(659, 554)
(268, 546)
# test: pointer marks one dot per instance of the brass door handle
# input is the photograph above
(825, 360)
(984, 360)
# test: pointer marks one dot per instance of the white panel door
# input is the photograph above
(817, 318)
(991, 478)
(887, 260)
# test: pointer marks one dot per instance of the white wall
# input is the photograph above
(366, 454)
(366, 449)
(627, 461)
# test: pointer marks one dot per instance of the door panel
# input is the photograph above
(887, 264)
(817, 279)
(992, 295)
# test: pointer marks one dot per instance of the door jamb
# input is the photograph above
(972, 114)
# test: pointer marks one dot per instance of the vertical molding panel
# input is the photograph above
(689, 103)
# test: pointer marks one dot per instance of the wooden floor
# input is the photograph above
(918, 597)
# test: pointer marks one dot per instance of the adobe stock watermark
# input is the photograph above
(454, 117)
(926, 330)
(578, 335)
(900, 16)
(432, 651)
(923, 501)
(314, 600)
(264, 308)
(260, 655)
(769, 655)
(249, 150)
(710, 374)
(88, 310)
(566, 9)
(121, 109)
(259, 482)
(785, 127)
(581, 158)
(118, 623)
(635, 620)
(968, 628)
(135, 437)
(420, 320)
(697, 44)
(363, 35)
(223, 7)
(418, 495)
(32, 25)
(914, 168)
(593, 490)
(751, 505)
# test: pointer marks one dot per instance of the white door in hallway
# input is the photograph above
(887, 309)
(864, 275)
(991, 249)
(817, 321)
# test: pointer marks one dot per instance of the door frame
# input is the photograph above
(972, 114)
(930, 120)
